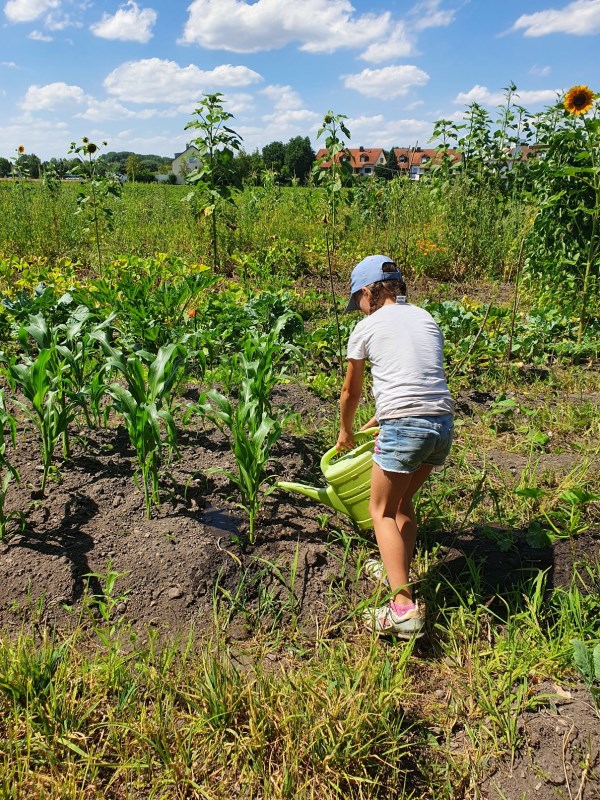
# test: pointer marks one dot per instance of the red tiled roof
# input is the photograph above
(415, 157)
(371, 156)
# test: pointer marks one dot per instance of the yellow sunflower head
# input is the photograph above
(579, 100)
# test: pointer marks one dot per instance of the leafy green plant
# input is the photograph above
(334, 170)
(49, 406)
(251, 434)
(263, 360)
(95, 193)
(587, 661)
(151, 307)
(144, 405)
(564, 246)
(216, 146)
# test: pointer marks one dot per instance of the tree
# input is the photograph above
(57, 166)
(5, 167)
(274, 156)
(28, 165)
(247, 168)
(133, 167)
(388, 170)
(299, 157)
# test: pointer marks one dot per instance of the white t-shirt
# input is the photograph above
(404, 345)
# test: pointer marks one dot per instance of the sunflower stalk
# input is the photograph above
(578, 101)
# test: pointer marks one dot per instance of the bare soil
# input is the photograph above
(174, 565)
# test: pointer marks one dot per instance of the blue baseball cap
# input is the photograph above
(371, 270)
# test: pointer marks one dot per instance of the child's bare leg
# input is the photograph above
(395, 525)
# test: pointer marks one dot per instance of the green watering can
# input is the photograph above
(348, 479)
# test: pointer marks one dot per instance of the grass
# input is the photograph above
(99, 716)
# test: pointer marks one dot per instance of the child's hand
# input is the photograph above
(345, 441)
(372, 423)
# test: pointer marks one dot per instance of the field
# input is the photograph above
(175, 626)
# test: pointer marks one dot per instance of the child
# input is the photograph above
(414, 412)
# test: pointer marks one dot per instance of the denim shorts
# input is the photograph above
(404, 444)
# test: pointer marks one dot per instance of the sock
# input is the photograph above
(400, 610)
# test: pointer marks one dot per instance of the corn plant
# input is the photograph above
(144, 405)
(262, 361)
(39, 382)
(74, 359)
(252, 433)
(8, 428)
(42, 375)
(251, 425)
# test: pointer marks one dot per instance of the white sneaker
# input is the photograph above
(373, 569)
(386, 622)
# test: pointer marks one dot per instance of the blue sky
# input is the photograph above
(132, 73)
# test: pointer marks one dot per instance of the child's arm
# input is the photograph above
(349, 399)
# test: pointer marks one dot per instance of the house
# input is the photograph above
(415, 161)
(185, 162)
(363, 159)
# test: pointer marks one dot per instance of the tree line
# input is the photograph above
(289, 163)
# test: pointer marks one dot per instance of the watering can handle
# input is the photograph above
(333, 452)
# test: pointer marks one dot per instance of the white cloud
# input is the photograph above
(293, 120)
(28, 10)
(540, 72)
(398, 45)
(319, 26)
(427, 14)
(51, 97)
(46, 138)
(106, 110)
(284, 97)
(580, 18)
(8, 64)
(376, 131)
(57, 21)
(483, 96)
(38, 36)
(386, 83)
(155, 80)
(130, 24)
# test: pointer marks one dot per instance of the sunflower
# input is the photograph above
(21, 149)
(579, 100)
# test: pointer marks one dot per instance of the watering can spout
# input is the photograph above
(348, 479)
(322, 494)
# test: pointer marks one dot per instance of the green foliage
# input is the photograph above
(216, 146)
(151, 299)
(251, 424)
(48, 408)
(94, 196)
(251, 437)
(274, 156)
(587, 661)
(333, 170)
(144, 404)
(563, 247)
(53, 375)
(478, 337)
(299, 158)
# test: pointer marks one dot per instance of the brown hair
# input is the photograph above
(382, 290)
